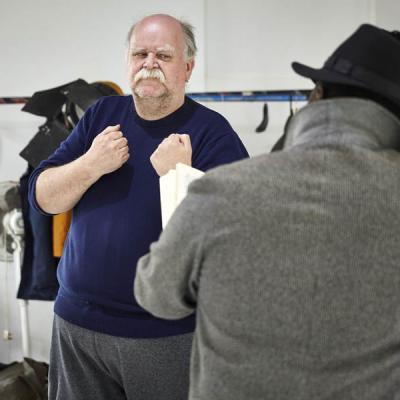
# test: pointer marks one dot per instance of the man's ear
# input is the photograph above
(189, 68)
(317, 93)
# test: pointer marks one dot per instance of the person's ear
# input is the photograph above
(317, 93)
(189, 68)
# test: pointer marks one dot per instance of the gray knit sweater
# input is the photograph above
(291, 261)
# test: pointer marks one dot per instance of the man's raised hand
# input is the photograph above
(108, 152)
(172, 150)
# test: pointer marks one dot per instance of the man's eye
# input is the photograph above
(164, 57)
(140, 55)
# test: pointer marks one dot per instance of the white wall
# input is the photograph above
(251, 45)
(387, 14)
(243, 46)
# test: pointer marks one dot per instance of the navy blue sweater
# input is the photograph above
(119, 216)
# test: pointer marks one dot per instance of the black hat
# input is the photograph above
(369, 58)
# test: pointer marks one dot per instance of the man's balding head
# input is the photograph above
(184, 28)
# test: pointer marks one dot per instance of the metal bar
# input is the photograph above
(270, 95)
(13, 100)
(258, 95)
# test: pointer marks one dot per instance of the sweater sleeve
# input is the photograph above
(166, 280)
(70, 149)
(223, 149)
(216, 143)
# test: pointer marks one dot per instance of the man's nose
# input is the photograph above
(151, 61)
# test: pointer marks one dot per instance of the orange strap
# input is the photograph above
(61, 223)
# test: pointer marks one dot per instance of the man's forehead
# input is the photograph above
(157, 33)
(141, 46)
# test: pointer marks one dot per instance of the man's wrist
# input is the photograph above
(88, 169)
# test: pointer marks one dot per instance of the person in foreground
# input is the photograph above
(291, 259)
(104, 345)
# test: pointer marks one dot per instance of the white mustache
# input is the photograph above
(154, 73)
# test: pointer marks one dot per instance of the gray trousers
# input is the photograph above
(89, 365)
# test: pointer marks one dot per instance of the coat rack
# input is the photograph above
(258, 95)
(264, 96)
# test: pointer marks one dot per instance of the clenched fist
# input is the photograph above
(108, 152)
(172, 150)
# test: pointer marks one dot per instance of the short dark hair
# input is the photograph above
(332, 90)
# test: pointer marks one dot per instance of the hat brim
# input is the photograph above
(324, 75)
(329, 76)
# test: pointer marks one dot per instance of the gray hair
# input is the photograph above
(188, 35)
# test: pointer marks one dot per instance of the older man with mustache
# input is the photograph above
(104, 345)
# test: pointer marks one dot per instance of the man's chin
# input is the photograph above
(149, 94)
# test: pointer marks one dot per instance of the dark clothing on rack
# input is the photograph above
(39, 267)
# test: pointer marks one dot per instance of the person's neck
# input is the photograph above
(156, 108)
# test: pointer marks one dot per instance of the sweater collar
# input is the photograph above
(344, 122)
(178, 116)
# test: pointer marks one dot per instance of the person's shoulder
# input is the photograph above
(224, 176)
(222, 191)
(239, 168)
(208, 114)
(263, 166)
